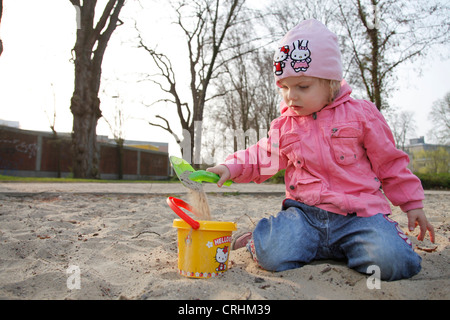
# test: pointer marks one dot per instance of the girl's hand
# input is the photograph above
(417, 217)
(222, 171)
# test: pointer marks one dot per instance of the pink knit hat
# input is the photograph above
(308, 49)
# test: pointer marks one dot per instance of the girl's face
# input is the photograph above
(304, 95)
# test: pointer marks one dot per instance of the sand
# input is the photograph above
(108, 241)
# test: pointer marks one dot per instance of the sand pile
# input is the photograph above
(111, 246)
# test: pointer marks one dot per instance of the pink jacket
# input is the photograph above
(336, 159)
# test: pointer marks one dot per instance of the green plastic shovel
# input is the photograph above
(190, 178)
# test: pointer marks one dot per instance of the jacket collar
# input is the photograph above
(343, 96)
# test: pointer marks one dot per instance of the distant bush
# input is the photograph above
(277, 178)
(440, 181)
(434, 180)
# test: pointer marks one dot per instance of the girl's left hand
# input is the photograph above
(417, 217)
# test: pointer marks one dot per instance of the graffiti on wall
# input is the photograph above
(30, 149)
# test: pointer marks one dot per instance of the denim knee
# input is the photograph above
(392, 265)
(386, 247)
(283, 242)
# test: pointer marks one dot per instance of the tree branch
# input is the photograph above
(167, 127)
(355, 52)
(103, 39)
(1, 13)
(164, 65)
(101, 22)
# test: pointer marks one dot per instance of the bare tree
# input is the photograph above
(440, 115)
(56, 141)
(267, 95)
(205, 25)
(380, 35)
(402, 125)
(376, 36)
(250, 99)
(282, 16)
(237, 104)
(117, 128)
(90, 46)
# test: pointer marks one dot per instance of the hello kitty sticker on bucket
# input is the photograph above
(222, 258)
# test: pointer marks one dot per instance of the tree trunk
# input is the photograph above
(1, 13)
(85, 104)
(120, 152)
(85, 107)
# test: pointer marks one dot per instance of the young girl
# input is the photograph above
(341, 164)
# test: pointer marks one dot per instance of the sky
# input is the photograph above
(36, 72)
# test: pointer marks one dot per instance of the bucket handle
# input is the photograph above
(175, 205)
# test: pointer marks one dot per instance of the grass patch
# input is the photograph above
(4, 178)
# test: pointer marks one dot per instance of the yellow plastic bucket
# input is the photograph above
(203, 252)
(203, 246)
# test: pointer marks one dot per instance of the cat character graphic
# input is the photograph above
(221, 258)
(278, 59)
(300, 56)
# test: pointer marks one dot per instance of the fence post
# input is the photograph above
(38, 153)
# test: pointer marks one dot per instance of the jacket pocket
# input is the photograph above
(291, 146)
(306, 190)
(345, 144)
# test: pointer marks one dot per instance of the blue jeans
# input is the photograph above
(300, 234)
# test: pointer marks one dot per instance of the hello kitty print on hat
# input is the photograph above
(309, 49)
(278, 59)
(300, 56)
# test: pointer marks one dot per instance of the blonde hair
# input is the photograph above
(335, 87)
